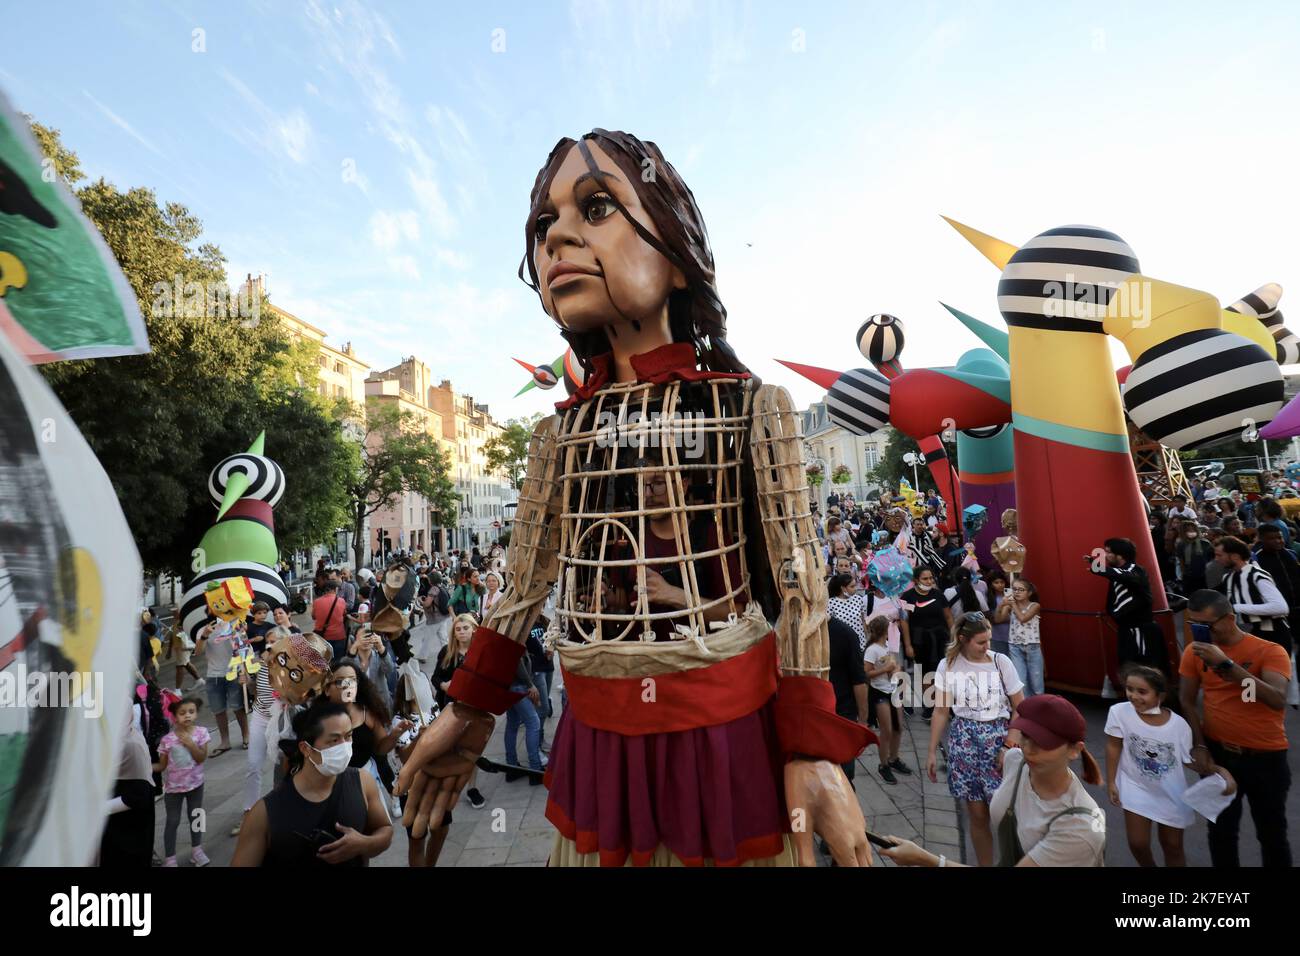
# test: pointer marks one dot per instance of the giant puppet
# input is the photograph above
(668, 500)
(1199, 374)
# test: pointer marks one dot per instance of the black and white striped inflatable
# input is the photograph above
(265, 478)
(880, 338)
(859, 401)
(266, 585)
(1063, 279)
(985, 431)
(1262, 304)
(1201, 387)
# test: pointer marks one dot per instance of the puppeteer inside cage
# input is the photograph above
(652, 542)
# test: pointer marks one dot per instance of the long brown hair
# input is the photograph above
(696, 313)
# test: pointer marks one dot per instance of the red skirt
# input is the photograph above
(708, 793)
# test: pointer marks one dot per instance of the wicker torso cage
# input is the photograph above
(662, 479)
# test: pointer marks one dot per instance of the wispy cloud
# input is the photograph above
(288, 134)
(124, 125)
(359, 40)
(389, 229)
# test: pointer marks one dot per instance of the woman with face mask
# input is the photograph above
(325, 812)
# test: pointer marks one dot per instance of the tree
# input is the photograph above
(397, 457)
(215, 377)
(891, 466)
(508, 451)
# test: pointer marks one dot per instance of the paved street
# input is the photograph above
(915, 808)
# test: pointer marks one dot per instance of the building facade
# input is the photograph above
(831, 446)
(463, 429)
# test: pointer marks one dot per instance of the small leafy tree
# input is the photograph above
(508, 452)
(396, 457)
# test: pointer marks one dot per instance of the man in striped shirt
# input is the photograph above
(1261, 607)
(1128, 602)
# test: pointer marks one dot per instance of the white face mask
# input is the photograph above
(923, 588)
(1150, 713)
(334, 760)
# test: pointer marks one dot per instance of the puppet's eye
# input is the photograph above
(295, 675)
(598, 207)
(282, 659)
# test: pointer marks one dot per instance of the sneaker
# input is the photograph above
(395, 807)
(926, 716)
(887, 775)
(513, 775)
(545, 761)
(198, 857)
(534, 781)
(897, 764)
(170, 862)
(475, 798)
(234, 831)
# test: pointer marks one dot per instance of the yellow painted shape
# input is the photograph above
(994, 250)
(1251, 328)
(1145, 312)
(13, 274)
(81, 632)
(1066, 378)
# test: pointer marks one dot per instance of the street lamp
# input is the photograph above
(913, 459)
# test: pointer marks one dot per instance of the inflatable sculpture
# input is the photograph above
(241, 544)
(1193, 382)
(673, 555)
(1200, 374)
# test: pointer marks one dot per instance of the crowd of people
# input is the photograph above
(960, 649)
(963, 645)
(332, 795)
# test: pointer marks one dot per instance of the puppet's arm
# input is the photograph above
(533, 564)
(813, 738)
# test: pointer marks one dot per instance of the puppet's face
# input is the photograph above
(394, 578)
(299, 664)
(619, 275)
(894, 522)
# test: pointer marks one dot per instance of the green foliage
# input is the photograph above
(842, 475)
(219, 372)
(508, 452)
(398, 456)
(66, 163)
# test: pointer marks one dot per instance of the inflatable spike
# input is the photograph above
(994, 250)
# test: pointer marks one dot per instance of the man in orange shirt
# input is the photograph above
(1244, 679)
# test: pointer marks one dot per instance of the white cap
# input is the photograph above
(365, 574)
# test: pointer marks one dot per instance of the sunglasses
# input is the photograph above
(345, 682)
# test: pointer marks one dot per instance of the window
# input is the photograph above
(873, 456)
(338, 367)
(321, 360)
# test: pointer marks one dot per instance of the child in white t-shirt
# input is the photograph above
(883, 674)
(1147, 746)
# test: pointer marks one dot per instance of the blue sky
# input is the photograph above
(375, 159)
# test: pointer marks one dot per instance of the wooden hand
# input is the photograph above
(440, 765)
(822, 801)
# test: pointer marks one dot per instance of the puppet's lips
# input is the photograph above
(567, 278)
(562, 269)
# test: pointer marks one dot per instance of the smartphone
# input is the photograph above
(880, 841)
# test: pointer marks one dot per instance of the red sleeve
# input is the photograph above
(807, 725)
(484, 679)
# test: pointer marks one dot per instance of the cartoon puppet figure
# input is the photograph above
(668, 500)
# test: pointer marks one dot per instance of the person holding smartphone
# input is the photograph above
(325, 813)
